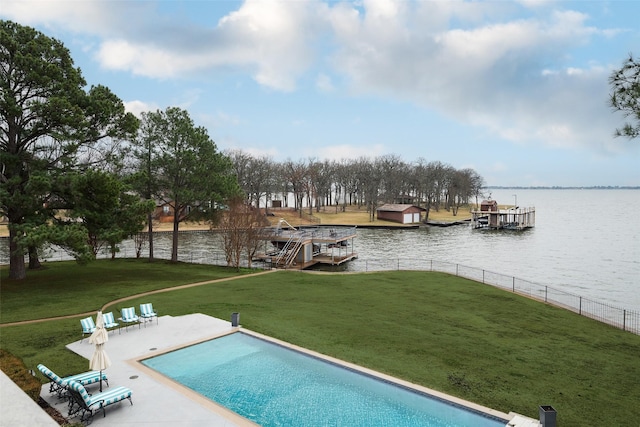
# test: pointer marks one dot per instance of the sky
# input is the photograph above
(516, 90)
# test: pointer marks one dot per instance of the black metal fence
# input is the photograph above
(627, 320)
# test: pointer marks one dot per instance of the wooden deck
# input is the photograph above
(504, 219)
(302, 248)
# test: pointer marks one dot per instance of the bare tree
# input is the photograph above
(365, 182)
(241, 227)
(370, 178)
(324, 184)
(295, 174)
(241, 168)
(259, 180)
(394, 177)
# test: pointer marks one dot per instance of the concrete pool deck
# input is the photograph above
(158, 400)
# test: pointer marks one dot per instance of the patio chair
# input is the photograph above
(59, 385)
(109, 322)
(129, 316)
(148, 313)
(87, 405)
(88, 326)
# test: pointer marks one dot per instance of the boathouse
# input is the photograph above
(489, 206)
(402, 213)
(492, 218)
(300, 248)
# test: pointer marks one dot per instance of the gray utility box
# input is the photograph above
(235, 319)
(547, 416)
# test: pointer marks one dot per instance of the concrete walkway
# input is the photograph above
(18, 409)
(156, 400)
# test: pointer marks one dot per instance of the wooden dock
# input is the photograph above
(504, 219)
(300, 248)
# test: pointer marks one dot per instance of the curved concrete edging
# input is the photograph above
(156, 291)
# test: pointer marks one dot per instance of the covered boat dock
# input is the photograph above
(300, 248)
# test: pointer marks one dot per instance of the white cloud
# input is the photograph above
(257, 152)
(138, 107)
(270, 37)
(324, 83)
(101, 18)
(345, 151)
(504, 67)
(492, 72)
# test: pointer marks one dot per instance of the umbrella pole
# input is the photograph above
(100, 381)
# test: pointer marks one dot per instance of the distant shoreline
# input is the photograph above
(595, 187)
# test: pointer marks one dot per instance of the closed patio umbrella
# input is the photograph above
(100, 359)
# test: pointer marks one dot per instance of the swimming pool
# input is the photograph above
(276, 386)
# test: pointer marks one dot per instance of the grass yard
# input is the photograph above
(451, 334)
(64, 288)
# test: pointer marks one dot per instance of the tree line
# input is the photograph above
(364, 182)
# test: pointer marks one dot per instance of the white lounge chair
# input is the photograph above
(88, 326)
(129, 316)
(109, 322)
(59, 385)
(148, 313)
(88, 405)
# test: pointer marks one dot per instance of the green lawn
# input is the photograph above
(63, 288)
(444, 332)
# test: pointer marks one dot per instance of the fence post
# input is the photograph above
(482, 276)
(545, 293)
(513, 283)
(624, 320)
(398, 263)
(431, 267)
(366, 266)
(580, 308)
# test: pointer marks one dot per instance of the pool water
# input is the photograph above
(275, 386)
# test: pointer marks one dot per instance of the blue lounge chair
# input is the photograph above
(148, 313)
(59, 385)
(109, 322)
(87, 405)
(129, 316)
(88, 326)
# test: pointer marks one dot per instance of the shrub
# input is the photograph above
(19, 374)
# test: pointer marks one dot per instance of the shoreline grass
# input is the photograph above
(452, 334)
(328, 215)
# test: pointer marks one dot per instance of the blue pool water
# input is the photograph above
(275, 386)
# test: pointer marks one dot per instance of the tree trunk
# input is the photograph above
(176, 224)
(34, 261)
(150, 220)
(16, 258)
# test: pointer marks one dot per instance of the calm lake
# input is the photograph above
(586, 242)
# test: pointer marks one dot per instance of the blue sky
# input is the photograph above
(516, 90)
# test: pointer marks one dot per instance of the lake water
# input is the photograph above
(586, 242)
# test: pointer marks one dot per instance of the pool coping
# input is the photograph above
(235, 418)
(242, 421)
